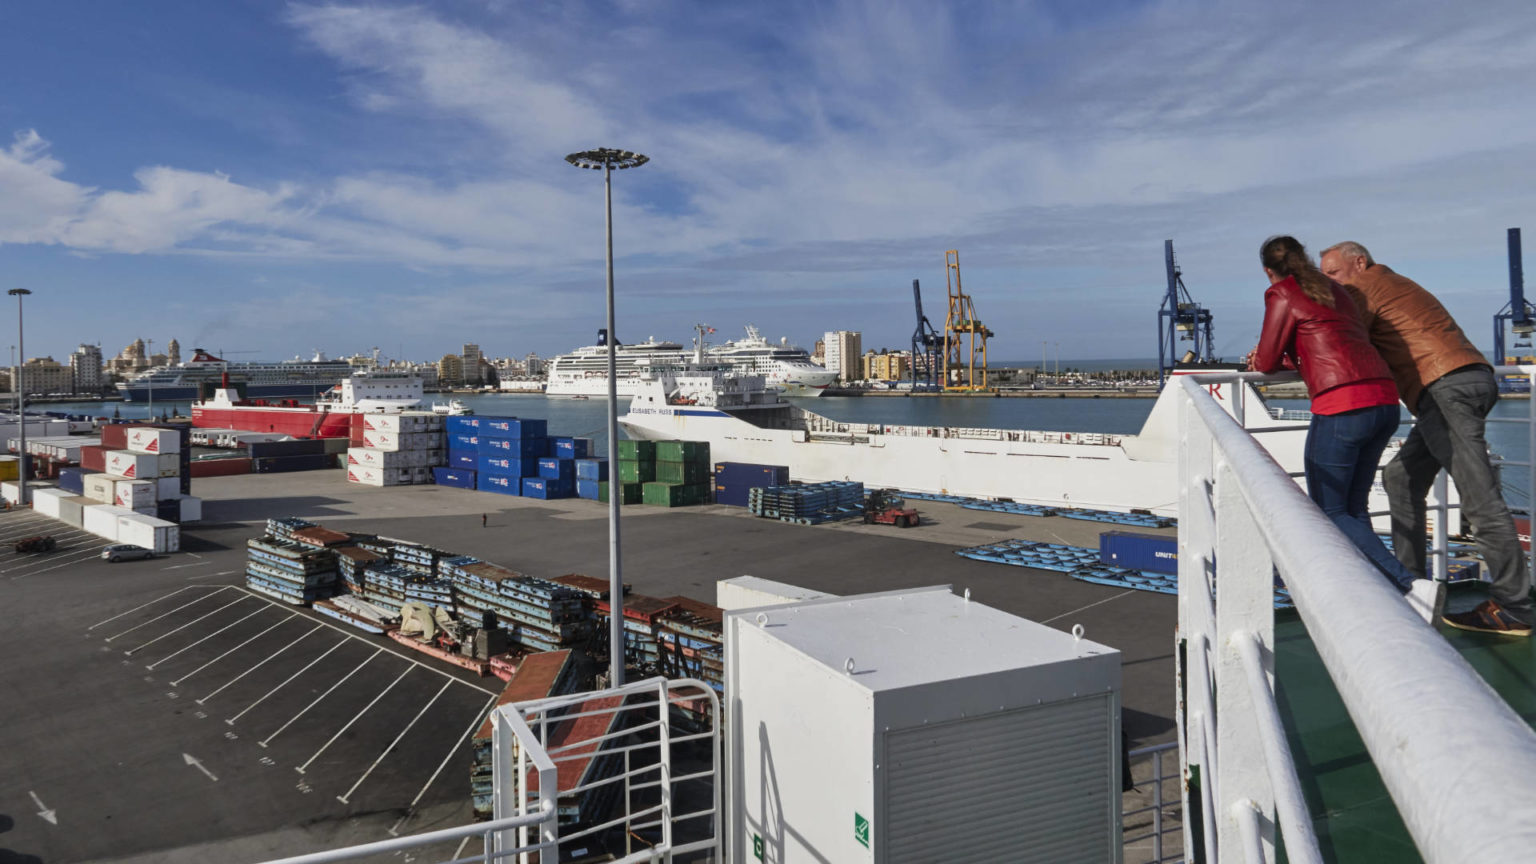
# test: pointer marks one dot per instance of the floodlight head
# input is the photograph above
(607, 157)
(16, 292)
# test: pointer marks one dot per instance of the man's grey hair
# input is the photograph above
(1351, 249)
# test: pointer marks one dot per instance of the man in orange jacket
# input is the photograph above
(1450, 388)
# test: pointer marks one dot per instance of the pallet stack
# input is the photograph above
(295, 573)
(396, 449)
(810, 504)
(535, 613)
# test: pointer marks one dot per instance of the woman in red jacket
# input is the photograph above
(1310, 324)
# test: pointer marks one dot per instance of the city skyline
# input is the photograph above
(254, 176)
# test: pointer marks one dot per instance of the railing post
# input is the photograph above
(1530, 472)
(1195, 713)
(1439, 559)
(1244, 605)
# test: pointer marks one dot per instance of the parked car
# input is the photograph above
(125, 552)
(38, 543)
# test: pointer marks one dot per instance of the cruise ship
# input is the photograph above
(288, 379)
(584, 372)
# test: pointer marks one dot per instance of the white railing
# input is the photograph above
(1433, 728)
(636, 736)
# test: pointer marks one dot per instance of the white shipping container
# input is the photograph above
(145, 440)
(191, 508)
(374, 476)
(134, 466)
(384, 423)
(402, 440)
(149, 532)
(170, 465)
(371, 457)
(846, 734)
(167, 487)
(426, 421)
(101, 520)
(135, 494)
(101, 487)
(46, 501)
(72, 510)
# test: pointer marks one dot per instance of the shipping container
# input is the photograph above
(272, 449)
(134, 466)
(72, 510)
(554, 468)
(512, 427)
(101, 488)
(220, 467)
(459, 441)
(505, 484)
(191, 509)
(134, 494)
(94, 458)
(1135, 551)
(682, 472)
(462, 424)
(508, 465)
(10, 467)
(637, 451)
(286, 464)
(169, 510)
(751, 474)
(675, 494)
(46, 501)
(72, 479)
(573, 448)
(592, 469)
(459, 478)
(468, 460)
(167, 488)
(548, 487)
(147, 439)
(101, 520)
(394, 458)
(629, 493)
(592, 490)
(147, 531)
(636, 472)
(527, 448)
(682, 451)
(369, 475)
(403, 440)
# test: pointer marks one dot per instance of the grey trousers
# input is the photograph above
(1449, 434)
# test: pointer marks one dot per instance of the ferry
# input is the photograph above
(288, 379)
(584, 372)
(331, 416)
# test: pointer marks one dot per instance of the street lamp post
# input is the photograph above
(21, 395)
(150, 378)
(606, 160)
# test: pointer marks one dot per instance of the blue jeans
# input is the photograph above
(1341, 457)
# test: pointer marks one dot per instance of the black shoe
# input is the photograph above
(1488, 617)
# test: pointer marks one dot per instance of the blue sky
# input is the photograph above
(275, 178)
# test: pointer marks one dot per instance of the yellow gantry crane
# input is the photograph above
(965, 339)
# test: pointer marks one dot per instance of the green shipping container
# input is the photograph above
(682, 472)
(636, 472)
(676, 494)
(637, 451)
(682, 451)
(629, 493)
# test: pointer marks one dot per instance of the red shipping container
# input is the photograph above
(220, 467)
(114, 436)
(94, 457)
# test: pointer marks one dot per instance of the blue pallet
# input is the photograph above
(1138, 520)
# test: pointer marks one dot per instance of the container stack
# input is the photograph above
(681, 475)
(642, 616)
(293, 572)
(810, 504)
(135, 483)
(352, 564)
(591, 478)
(734, 481)
(535, 613)
(463, 452)
(281, 457)
(691, 645)
(637, 467)
(509, 453)
(396, 449)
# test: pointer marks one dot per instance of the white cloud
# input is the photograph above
(35, 204)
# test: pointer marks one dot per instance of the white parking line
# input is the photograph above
(410, 809)
(231, 720)
(35, 529)
(151, 603)
(356, 717)
(35, 559)
(260, 664)
(204, 639)
(77, 558)
(343, 798)
(234, 649)
(192, 564)
(25, 529)
(132, 651)
(158, 617)
(269, 738)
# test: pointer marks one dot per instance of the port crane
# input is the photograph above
(1520, 314)
(1181, 319)
(927, 344)
(965, 338)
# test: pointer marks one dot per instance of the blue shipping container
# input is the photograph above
(573, 448)
(1147, 552)
(748, 474)
(589, 489)
(511, 427)
(462, 424)
(458, 478)
(527, 448)
(73, 479)
(592, 469)
(557, 469)
(547, 487)
(506, 484)
(510, 466)
(466, 459)
(463, 441)
(734, 496)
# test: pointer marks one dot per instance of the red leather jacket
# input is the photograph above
(1329, 346)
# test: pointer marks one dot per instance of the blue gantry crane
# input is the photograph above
(927, 345)
(1181, 319)
(1518, 312)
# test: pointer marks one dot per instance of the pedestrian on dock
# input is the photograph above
(1449, 387)
(482, 520)
(1311, 324)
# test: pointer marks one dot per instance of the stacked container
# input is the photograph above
(637, 466)
(141, 469)
(734, 481)
(681, 475)
(463, 453)
(509, 452)
(591, 477)
(281, 457)
(396, 449)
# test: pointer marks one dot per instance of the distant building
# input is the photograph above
(533, 364)
(85, 368)
(843, 354)
(450, 370)
(819, 353)
(428, 372)
(173, 352)
(46, 375)
(470, 363)
(887, 366)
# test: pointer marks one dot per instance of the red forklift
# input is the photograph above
(884, 507)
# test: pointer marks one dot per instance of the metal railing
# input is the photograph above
(1158, 810)
(634, 726)
(1432, 727)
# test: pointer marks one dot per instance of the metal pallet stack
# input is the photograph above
(535, 613)
(641, 626)
(352, 563)
(539, 676)
(292, 572)
(810, 504)
(691, 646)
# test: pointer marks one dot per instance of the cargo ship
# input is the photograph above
(288, 379)
(584, 372)
(331, 416)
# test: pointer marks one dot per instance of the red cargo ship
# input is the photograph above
(333, 416)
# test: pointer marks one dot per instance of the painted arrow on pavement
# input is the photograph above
(197, 763)
(42, 810)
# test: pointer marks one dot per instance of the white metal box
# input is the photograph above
(148, 440)
(101, 519)
(744, 592)
(918, 726)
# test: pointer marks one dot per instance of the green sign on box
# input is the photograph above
(861, 829)
(757, 847)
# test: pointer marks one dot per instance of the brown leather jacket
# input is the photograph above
(1413, 332)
